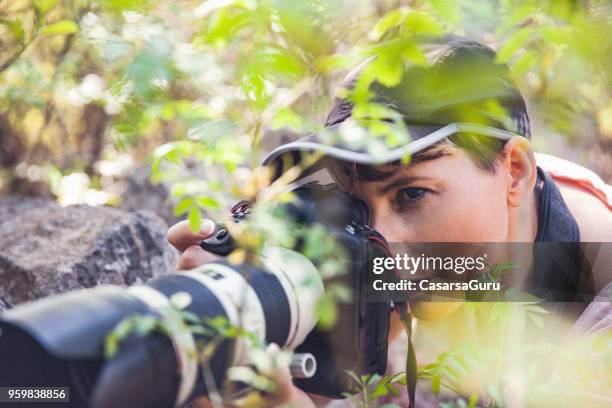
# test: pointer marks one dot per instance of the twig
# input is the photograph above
(6, 64)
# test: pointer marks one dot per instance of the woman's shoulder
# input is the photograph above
(587, 196)
(589, 199)
(593, 217)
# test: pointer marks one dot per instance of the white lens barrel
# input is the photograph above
(236, 295)
(302, 284)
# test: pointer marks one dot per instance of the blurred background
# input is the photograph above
(93, 93)
(120, 106)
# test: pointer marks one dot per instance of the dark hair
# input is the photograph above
(485, 153)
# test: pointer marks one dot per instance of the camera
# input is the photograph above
(58, 341)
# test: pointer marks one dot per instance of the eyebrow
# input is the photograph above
(431, 153)
(426, 155)
(400, 181)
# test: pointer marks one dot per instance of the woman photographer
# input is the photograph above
(470, 186)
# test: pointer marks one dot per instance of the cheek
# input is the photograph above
(479, 210)
(474, 212)
(477, 213)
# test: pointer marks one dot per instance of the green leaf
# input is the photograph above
(450, 373)
(355, 377)
(125, 5)
(124, 328)
(393, 389)
(379, 391)
(412, 53)
(392, 19)
(327, 311)
(277, 62)
(60, 27)
(388, 69)
(524, 63)
(167, 111)
(190, 317)
(556, 35)
(15, 26)
(449, 10)
(111, 345)
(435, 384)
(402, 379)
(195, 219)
(253, 87)
(423, 23)
(44, 6)
(183, 206)
(430, 369)
(372, 379)
(473, 401)
(225, 25)
(208, 202)
(515, 42)
(145, 324)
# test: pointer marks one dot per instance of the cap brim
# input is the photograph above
(423, 136)
(313, 144)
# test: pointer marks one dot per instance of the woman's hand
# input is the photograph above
(187, 242)
(286, 393)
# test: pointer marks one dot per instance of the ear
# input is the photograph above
(520, 164)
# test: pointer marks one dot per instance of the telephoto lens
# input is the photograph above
(59, 341)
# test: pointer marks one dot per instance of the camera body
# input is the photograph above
(358, 340)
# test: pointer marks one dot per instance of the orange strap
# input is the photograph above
(576, 175)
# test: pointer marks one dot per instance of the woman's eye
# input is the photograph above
(412, 194)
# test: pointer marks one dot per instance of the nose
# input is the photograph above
(384, 226)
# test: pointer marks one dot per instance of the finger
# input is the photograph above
(181, 236)
(273, 350)
(193, 257)
(283, 391)
(287, 393)
(201, 402)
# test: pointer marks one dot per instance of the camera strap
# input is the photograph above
(411, 363)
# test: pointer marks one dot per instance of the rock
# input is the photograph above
(141, 194)
(47, 249)
(15, 205)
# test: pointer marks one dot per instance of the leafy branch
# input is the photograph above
(41, 9)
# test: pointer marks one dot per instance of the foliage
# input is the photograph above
(520, 357)
(200, 89)
(85, 83)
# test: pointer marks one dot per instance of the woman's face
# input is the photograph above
(442, 196)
